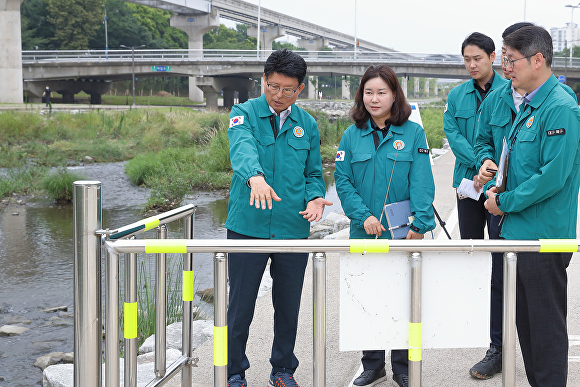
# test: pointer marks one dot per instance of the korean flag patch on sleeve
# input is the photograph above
(340, 156)
(237, 120)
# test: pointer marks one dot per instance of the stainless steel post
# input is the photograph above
(187, 290)
(130, 317)
(220, 329)
(415, 328)
(510, 262)
(112, 352)
(319, 324)
(160, 306)
(87, 217)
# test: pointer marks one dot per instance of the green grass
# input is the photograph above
(59, 184)
(171, 150)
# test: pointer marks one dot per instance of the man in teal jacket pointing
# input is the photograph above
(277, 189)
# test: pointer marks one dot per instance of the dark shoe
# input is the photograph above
(282, 379)
(237, 381)
(369, 378)
(489, 366)
(401, 380)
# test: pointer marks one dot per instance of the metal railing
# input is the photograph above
(88, 238)
(154, 56)
(319, 248)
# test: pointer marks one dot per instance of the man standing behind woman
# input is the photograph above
(383, 158)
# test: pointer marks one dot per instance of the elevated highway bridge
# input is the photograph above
(227, 71)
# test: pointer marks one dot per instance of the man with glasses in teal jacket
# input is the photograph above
(540, 202)
(277, 189)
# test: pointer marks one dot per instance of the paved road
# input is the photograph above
(441, 367)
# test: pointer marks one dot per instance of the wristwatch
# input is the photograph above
(497, 200)
(414, 228)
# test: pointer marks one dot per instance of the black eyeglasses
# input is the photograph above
(510, 62)
(287, 91)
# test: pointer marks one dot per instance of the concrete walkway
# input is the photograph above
(441, 367)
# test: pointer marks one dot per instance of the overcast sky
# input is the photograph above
(425, 26)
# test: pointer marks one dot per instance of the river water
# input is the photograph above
(36, 263)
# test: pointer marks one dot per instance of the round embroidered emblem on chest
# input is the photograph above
(398, 144)
(298, 131)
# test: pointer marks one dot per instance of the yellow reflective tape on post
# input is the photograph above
(150, 223)
(558, 246)
(154, 246)
(130, 320)
(369, 246)
(187, 285)
(415, 342)
(220, 346)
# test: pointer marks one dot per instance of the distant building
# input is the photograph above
(565, 35)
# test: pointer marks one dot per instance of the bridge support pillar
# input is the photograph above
(229, 98)
(345, 87)
(11, 48)
(68, 89)
(405, 84)
(313, 44)
(195, 26)
(416, 87)
(213, 86)
(267, 36)
(436, 89)
(312, 82)
(427, 88)
(243, 95)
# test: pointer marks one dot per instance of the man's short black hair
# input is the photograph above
(531, 40)
(514, 28)
(480, 40)
(287, 63)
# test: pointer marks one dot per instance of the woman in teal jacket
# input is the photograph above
(383, 158)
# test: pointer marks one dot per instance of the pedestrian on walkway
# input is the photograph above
(277, 189)
(540, 202)
(495, 120)
(383, 158)
(48, 95)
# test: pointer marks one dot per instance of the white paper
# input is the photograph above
(467, 189)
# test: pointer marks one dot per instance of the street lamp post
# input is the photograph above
(106, 35)
(133, 66)
(571, 40)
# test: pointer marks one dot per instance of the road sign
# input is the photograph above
(562, 79)
(161, 68)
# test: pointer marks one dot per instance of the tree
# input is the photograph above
(75, 22)
(36, 30)
(229, 39)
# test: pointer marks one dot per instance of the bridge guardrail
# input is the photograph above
(75, 56)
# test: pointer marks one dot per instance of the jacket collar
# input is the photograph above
(264, 109)
(497, 81)
(394, 129)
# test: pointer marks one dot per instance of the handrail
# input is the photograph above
(86, 197)
(149, 223)
(328, 246)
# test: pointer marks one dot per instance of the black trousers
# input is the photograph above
(541, 311)
(473, 217)
(375, 360)
(245, 273)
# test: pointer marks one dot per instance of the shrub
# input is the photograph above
(59, 184)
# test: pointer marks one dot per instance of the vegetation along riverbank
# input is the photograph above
(170, 150)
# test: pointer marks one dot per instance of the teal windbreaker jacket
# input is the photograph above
(459, 122)
(362, 175)
(541, 200)
(290, 163)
